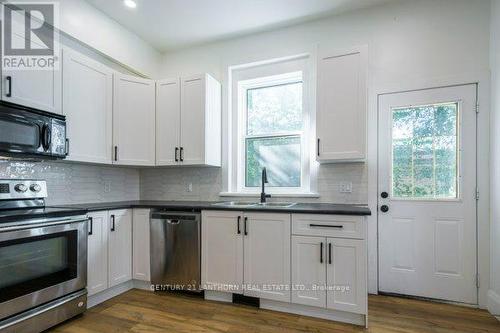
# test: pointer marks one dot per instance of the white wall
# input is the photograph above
(494, 292)
(84, 22)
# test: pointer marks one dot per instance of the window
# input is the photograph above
(425, 152)
(270, 128)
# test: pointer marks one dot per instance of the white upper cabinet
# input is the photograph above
(88, 106)
(133, 120)
(40, 89)
(341, 105)
(188, 125)
(168, 116)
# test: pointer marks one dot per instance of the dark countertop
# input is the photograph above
(195, 206)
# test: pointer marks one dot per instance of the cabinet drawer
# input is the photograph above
(344, 226)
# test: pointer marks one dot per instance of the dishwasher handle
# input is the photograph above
(172, 221)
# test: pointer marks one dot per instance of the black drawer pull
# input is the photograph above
(326, 226)
(329, 253)
(321, 253)
(245, 226)
(91, 225)
(238, 229)
(112, 223)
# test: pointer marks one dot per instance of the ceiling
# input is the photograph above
(173, 24)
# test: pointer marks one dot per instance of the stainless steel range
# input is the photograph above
(43, 259)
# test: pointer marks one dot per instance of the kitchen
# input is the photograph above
(272, 172)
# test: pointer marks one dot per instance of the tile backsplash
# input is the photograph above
(77, 183)
(173, 183)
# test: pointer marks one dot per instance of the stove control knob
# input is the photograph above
(35, 188)
(21, 188)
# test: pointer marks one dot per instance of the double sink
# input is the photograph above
(246, 204)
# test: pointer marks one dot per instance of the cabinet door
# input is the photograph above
(309, 270)
(40, 89)
(341, 106)
(133, 120)
(168, 121)
(120, 246)
(346, 268)
(140, 245)
(88, 106)
(193, 120)
(97, 253)
(267, 256)
(222, 251)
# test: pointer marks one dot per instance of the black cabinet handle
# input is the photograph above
(384, 195)
(67, 147)
(329, 253)
(116, 153)
(112, 223)
(318, 147)
(239, 230)
(182, 154)
(176, 153)
(325, 226)
(384, 208)
(321, 253)
(245, 226)
(91, 225)
(9, 81)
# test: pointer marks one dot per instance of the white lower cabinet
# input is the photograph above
(250, 249)
(222, 250)
(347, 269)
(97, 253)
(308, 270)
(120, 246)
(140, 245)
(266, 261)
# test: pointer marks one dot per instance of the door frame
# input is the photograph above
(482, 80)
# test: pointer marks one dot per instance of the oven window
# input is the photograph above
(31, 264)
(19, 133)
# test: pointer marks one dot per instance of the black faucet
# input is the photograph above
(263, 194)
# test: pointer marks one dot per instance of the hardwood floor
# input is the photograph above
(142, 311)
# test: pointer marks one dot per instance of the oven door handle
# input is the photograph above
(41, 225)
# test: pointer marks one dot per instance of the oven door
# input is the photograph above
(41, 262)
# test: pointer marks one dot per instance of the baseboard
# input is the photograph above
(115, 291)
(493, 303)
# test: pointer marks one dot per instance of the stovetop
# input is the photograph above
(22, 199)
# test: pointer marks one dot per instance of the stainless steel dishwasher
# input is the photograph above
(175, 250)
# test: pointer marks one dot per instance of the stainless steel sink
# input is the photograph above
(243, 204)
(235, 204)
(277, 204)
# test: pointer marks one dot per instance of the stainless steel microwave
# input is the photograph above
(30, 133)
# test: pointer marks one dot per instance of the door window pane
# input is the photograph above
(425, 151)
(279, 155)
(274, 109)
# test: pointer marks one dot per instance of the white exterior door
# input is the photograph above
(308, 270)
(222, 251)
(168, 121)
(120, 246)
(427, 193)
(133, 120)
(267, 256)
(97, 253)
(88, 106)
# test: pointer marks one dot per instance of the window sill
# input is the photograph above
(278, 195)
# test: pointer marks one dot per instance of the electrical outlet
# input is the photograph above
(190, 187)
(345, 187)
(107, 186)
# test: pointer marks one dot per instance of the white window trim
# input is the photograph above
(246, 76)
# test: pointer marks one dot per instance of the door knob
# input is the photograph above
(384, 208)
(384, 195)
